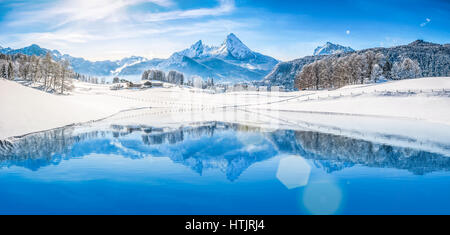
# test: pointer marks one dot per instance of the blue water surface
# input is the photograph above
(217, 168)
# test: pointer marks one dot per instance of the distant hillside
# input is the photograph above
(80, 65)
(433, 60)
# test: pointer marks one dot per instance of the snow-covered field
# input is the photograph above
(418, 107)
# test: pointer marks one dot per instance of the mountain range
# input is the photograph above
(79, 65)
(232, 61)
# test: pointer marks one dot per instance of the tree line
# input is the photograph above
(158, 75)
(89, 79)
(356, 68)
(53, 76)
(175, 77)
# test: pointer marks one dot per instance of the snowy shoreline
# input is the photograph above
(75, 124)
(26, 110)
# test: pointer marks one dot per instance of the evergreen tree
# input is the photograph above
(4, 73)
(387, 68)
(145, 75)
(10, 71)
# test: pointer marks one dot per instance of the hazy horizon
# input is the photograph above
(285, 30)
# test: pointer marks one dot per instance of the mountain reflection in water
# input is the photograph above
(231, 148)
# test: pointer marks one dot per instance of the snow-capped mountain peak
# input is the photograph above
(231, 60)
(197, 46)
(231, 47)
(330, 49)
(198, 49)
(195, 50)
(234, 47)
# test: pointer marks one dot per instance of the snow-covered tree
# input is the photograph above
(157, 75)
(175, 77)
(198, 82)
(10, 71)
(47, 69)
(210, 82)
(407, 68)
(145, 75)
(64, 81)
(354, 68)
(377, 73)
(387, 69)
(24, 68)
(35, 68)
(411, 68)
(4, 73)
(51, 74)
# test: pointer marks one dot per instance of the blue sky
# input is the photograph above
(284, 29)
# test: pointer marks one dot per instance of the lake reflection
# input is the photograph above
(216, 168)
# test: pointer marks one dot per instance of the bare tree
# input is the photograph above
(65, 75)
(46, 69)
(24, 68)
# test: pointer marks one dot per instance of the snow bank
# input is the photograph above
(26, 110)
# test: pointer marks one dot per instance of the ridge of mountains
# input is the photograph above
(232, 61)
(79, 65)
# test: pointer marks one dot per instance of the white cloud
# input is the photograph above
(226, 6)
(427, 21)
(94, 28)
(63, 12)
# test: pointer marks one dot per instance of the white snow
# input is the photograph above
(416, 108)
